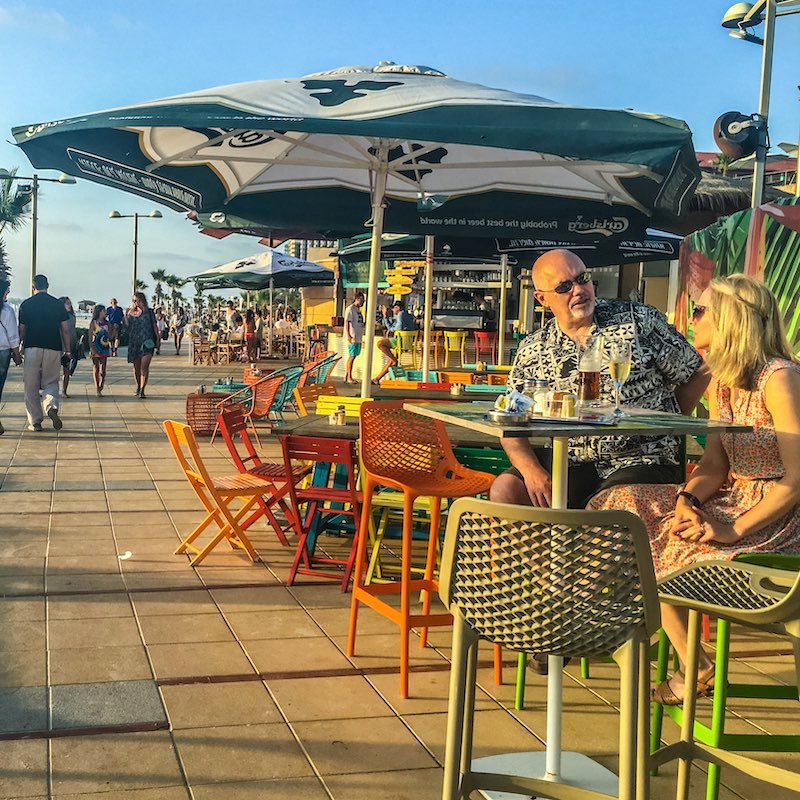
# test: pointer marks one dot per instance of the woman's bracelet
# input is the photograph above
(693, 499)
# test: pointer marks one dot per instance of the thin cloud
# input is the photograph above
(45, 23)
(125, 24)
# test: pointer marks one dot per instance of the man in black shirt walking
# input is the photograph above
(44, 331)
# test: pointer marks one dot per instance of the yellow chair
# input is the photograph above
(352, 405)
(455, 342)
(397, 383)
(406, 342)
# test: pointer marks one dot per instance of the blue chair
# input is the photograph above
(284, 399)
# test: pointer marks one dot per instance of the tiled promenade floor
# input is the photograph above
(125, 673)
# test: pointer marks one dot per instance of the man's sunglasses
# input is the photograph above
(579, 280)
(697, 312)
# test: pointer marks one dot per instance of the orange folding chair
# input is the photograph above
(217, 494)
(306, 396)
(232, 424)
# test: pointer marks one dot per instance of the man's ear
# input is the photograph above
(542, 298)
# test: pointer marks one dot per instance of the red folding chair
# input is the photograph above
(232, 424)
(255, 401)
(332, 493)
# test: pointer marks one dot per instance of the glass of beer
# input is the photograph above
(590, 362)
(619, 365)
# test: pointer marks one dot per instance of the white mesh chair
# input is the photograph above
(746, 594)
(568, 583)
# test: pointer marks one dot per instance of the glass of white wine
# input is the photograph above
(619, 366)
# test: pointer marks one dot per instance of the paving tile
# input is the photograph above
(171, 603)
(243, 571)
(114, 764)
(179, 628)
(27, 502)
(295, 655)
(16, 609)
(280, 789)
(342, 697)
(327, 596)
(252, 752)
(91, 606)
(95, 704)
(76, 548)
(23, 769)
(22, 635)
(254, 599)
(83, 564)
(77, 582)
(164, 545)
(349, 745)
(383, 650)
(99, 664)
(23, 709)
(193, 659)
(162, 580)
(206, 705)
(274, 625)
(21, 585)
(23, 668)
(416, 784)
(162, 793)
(22, 547)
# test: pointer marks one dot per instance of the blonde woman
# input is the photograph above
(756, 382)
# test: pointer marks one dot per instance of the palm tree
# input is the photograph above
(199, 300)
(215, 302)
(14, 203)
(722, 162)
(174, 283)
(159, 276)
(140, 285)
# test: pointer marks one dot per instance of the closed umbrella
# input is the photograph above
(401, 148)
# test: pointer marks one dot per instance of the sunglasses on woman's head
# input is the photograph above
(565, 286)
(697, 312)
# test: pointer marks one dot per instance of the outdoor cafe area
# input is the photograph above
(132, 672)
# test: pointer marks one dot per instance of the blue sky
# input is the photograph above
(65, 58)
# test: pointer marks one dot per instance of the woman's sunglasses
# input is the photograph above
(697, 312)
(565, 286)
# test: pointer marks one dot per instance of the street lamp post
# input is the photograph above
(135, 217)
(739, 19)
(34, 191)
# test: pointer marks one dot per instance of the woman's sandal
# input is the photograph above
(664, 694)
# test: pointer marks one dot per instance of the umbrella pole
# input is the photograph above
(426, 318)
(271, 318)
(374, 263)
(501, 317)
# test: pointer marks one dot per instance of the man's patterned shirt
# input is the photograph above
(662, 359)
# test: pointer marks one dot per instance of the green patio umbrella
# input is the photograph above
(398, 148)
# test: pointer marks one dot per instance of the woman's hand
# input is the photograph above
(708, 529)
(685, 516)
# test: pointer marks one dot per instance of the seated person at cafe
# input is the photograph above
(401, 320)
(755, 382)
(666, 374)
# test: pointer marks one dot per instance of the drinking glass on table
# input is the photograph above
(619, 365)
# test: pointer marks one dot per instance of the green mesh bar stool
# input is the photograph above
(570, 583)
(756, 596)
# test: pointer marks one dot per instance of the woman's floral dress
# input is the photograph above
(755, 466)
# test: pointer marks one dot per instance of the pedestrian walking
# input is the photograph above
(116, 317)
(142, 333)
(178, 324)
(69, 367)
(9, 338)
(44, 331)
(99, 347)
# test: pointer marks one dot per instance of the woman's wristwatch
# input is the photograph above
(693, 499)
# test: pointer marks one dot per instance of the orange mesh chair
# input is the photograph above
(232, 424)
(217, 494)
(411, 454)
(486, 342)
(256, 401)
(329, 494)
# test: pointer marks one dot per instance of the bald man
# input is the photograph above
(667, 374)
